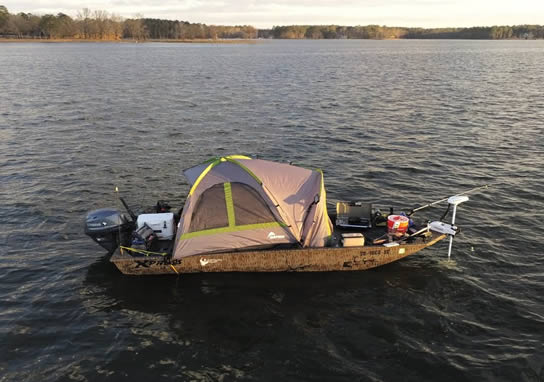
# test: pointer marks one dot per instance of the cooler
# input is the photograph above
(161, 224)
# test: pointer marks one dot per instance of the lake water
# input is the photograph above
(398, 123)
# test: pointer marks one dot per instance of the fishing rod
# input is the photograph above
(443, 200)
(132, 214)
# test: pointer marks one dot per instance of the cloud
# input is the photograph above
(260, 13)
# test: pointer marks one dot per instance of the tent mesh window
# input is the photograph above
(249, 206)
(210, 210)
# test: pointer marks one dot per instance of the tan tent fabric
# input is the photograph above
(237, 203)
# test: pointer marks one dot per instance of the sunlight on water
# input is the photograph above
(448, 264)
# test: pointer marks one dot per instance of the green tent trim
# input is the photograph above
(230, 204)
(325, 212)
(235, 228)
(215, 161)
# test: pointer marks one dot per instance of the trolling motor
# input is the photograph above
(445, 228)
(449, 229)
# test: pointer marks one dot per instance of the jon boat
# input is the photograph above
(253, 215)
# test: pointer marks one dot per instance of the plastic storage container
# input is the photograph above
(161, 224)
(354, 239)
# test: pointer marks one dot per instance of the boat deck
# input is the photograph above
(370, 234)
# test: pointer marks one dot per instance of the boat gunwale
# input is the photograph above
(273, 260)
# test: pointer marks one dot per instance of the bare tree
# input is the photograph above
(116, 26)
(84, 22)
(134, 28)
(101, 23)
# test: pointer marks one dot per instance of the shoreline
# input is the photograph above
(130, 41)
(219, 41)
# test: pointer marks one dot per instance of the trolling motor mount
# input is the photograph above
(444, 228)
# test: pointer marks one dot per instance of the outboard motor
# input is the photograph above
(109, 228)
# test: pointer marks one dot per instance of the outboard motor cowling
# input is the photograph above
(109, 228)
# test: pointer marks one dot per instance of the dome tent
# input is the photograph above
(238, 203)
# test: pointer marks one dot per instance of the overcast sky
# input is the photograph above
(266, 13)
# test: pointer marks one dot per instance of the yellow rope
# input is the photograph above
(174, 268)
(143, 252)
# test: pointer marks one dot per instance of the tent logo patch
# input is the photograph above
(273, 236)
(204, 261)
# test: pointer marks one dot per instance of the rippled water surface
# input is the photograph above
(401, 123)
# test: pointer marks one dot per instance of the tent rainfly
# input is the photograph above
(237, 203)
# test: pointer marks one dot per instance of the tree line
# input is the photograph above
(384, 32)
(102, 25)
